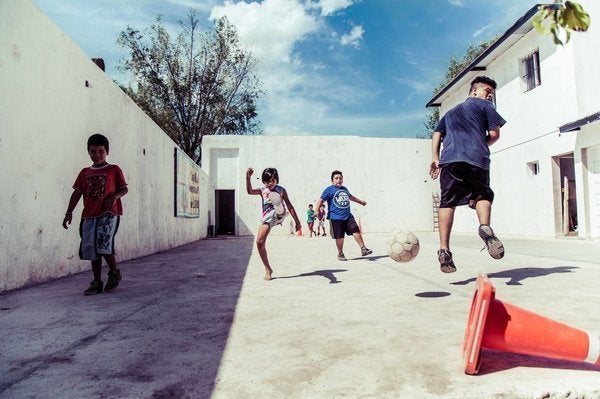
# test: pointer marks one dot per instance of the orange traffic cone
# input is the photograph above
(498, 325)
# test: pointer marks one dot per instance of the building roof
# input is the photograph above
(576, 125)
(510, 37)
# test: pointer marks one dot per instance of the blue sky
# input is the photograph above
(328, 67)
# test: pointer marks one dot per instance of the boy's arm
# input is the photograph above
(493, 135)
(109, 201)
(434, 167)
(291, 209)
(358, 201)
(75, 196)
(249, 188)
(319, 203)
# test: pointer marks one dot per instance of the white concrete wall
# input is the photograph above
(390, 174)
(46, 115)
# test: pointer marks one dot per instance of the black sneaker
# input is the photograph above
(113, 279)
(446, 263)
(492, 243)
(341, 256)
(95, 288)
(365, 251)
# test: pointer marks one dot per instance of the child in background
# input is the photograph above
(274, 200)
(310, 220)
(321, 220)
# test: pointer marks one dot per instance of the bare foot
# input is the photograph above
(268, 274)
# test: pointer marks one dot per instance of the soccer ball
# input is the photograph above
(403, 246)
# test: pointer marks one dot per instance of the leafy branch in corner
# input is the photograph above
(567, 17)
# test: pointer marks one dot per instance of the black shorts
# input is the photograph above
(462, 183)
(337, 228)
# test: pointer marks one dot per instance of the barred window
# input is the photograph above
(530, 74)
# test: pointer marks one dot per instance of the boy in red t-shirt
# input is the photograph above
(101, 185)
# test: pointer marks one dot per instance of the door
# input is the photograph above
(569, 194)
(225, 212)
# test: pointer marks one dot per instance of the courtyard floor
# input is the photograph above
(199, 321)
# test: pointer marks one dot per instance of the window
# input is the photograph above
(534, 168)
(530, 71)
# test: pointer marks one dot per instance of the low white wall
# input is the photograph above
(390, 174)
(53, 98)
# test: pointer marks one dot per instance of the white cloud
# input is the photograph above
(329, 7)
(354, 37)
(269, 29)
(480, 31)
(416, 88)
(458, 3)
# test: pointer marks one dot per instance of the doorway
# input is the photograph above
(225, 212)
(568, 196)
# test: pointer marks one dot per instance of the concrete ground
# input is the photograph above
(198, 321)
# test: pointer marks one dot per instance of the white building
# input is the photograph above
(549, 96)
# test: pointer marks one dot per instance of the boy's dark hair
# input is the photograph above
(268, 174)
(336, 172)
(310, 205)
(483, 79)
(97, 139)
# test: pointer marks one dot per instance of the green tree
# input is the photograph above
(560, 16)
(193, 85)
(455, 66)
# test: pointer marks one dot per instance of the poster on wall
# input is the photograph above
(187, 186)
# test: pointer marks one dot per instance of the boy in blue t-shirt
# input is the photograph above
(341, 221)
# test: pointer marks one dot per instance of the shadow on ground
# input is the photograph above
(160, 334)
(515, 276)
(493, 361)
(328, 274)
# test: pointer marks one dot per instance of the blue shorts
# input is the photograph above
(462, 183)
(98, 236)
